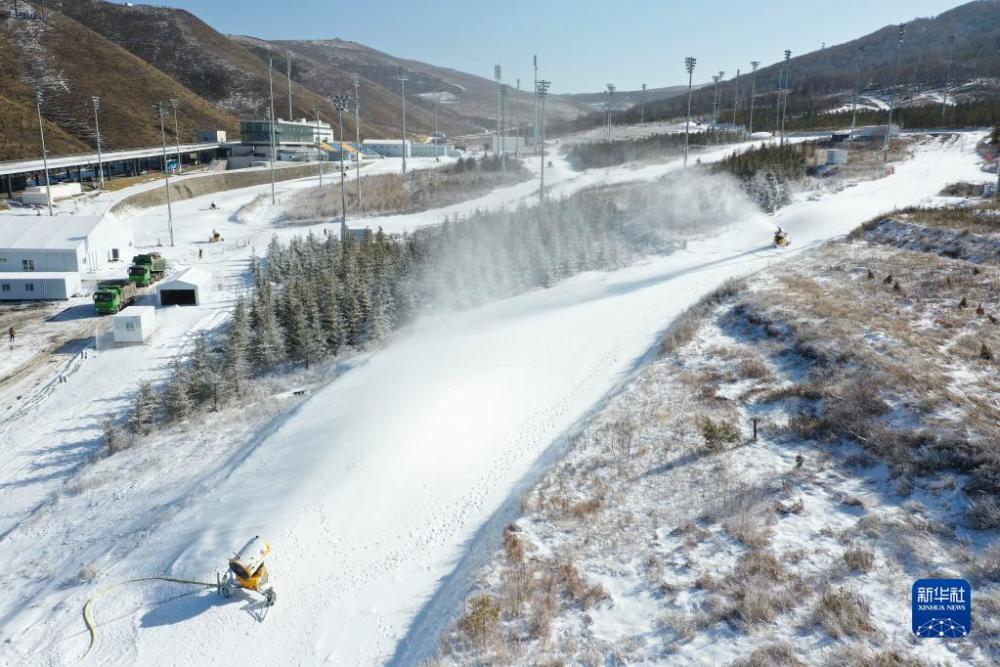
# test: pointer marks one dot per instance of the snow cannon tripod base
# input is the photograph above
(247, 571)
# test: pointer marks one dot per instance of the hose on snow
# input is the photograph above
(88, 617)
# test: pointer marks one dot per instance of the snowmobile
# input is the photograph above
(247, 570)
(781, 239)
(216, 237)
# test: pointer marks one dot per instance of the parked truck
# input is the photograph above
(112, 296)
(146, 269)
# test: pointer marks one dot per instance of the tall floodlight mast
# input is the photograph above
(498, 78)
(274, 133)
(177, 137)
(356, 80)
(736, 97)
(642, 116)
(288, 77)
(892, 93)
(541, 90)
(716, 99)
(611, 106)
(534, 127)
(166, 173)
(341, 103)
(97, 128)
(753, 94)
(689, 64)
(784, 93)
(45, 152)
(319, 148)
(857, 89)
(947, 80)
(403, 75)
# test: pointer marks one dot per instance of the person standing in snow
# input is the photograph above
(10, 332)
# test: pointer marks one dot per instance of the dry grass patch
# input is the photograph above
(779, 654)
(860, 558)
(843, 613)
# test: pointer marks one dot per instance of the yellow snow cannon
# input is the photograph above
(781, 239)
(247, 570)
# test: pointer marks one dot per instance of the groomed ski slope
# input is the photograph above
(374, 488)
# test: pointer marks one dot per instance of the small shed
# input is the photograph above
(836, 156)
(187, 288)
(134, 324)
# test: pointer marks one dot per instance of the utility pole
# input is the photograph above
(45, 153)
(541, 90)
(97, 128)
(403, 75)
(503, 119)
(715, 98)
(642, 115)
(892, 93)
(177, 137)
(689, 64)
(356, 79)
(288, 77)
(274, 134)
(947, 81)
(857, 90)
(736, 97)
(341, 103)
(784, 96)
(611, 106)
(517, 122)
(166, 173)
(753, 94)
(319, 148)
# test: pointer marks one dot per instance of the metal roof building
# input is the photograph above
(62, 243)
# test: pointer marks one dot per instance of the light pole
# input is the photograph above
(642, 115)
(947, 81)
(356, 79)
(45, 153)
(736, 97)
(753, 94)
(857, 90)
(611, 106)
(166, 173)
(97, 128)
(541, 90)
(517, 122)
(504, 88)
(403, 75)
(784, 95)
(177, 136)
(715, 98)
(689, 64)
(534, 127)
(341, 103)
(497, 78)
(892, 93)
(288, 77)
(274, 134)
(319, 148)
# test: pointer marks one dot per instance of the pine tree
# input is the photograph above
(267, 349)
(115, 438)
(235, 367)
(144, 408)
(176, 401)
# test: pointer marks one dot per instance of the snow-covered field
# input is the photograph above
(373, 488)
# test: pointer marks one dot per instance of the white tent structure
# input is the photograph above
(187, 288)
(134, 324)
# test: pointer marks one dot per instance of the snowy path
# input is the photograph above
(372, 490)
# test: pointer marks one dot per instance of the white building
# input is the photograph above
(187, 288)
(38, 195)
(39, 285)
(507, 144)
(134, 324)
(388, 147)
(62, 243)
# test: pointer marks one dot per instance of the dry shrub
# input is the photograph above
(779, 654)
(860, 559)
(513, 545)
(718, 434)
(798, 507)
(860, 655)
(578, 589)
(752, 367)
(984, 512)
(843, 613)
(481, 622)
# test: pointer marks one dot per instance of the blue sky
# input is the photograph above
(581, 44)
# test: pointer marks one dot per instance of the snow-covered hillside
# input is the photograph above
(374, 487)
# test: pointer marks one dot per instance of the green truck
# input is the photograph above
(146, 269)
(112, 296)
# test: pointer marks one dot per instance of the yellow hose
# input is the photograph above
(88, 618)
